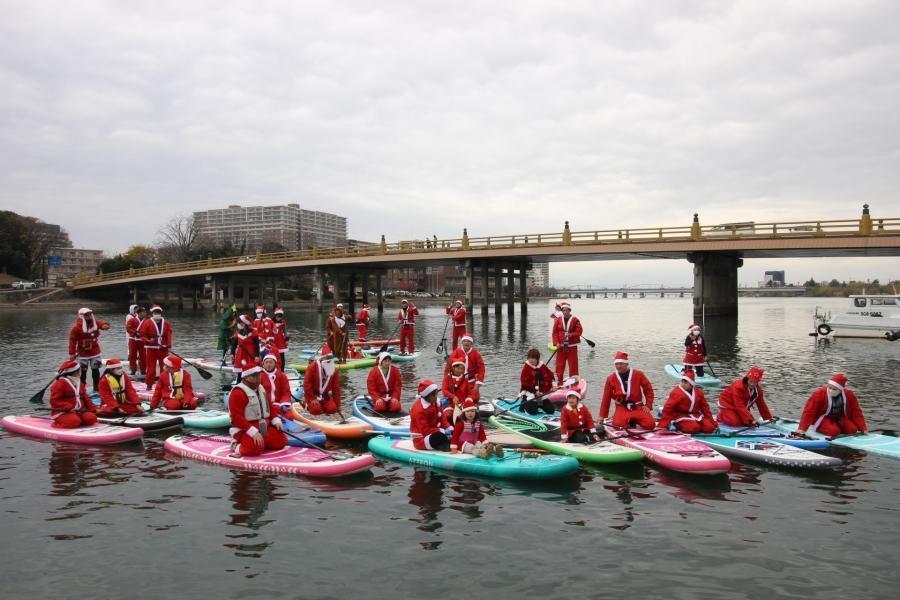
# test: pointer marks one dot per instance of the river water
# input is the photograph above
(132, 520)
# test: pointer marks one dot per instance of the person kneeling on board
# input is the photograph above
(117, 394)
(456, 388)
(274, 380)
(321, 387)
(536, 381)
(384, 385)
(632, 393)
(70, 406)
(469, 435)
(737, 399)
(832, 410)
(425, 419)
(255, 422)
(687, 408)
(174, 389)
(576, 424)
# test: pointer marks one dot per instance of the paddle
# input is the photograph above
(391, 420)
(302, 402)
(309, 444)
(442, 346)
(384, 346)
(203, 372)
(589, 342)
(38, 398)
(711, 370)
(737, 431)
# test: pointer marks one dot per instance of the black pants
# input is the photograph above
(439, 441)
(531, 406)
(698, 370)
(581, 437)
(95, 376)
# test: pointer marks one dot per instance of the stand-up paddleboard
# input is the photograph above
(200, 418)
(559, 396)
(507, 439)
(773, 434)
(351, 363)
(512, 406)
(304, 432)
(148, 421)
(290, 459)
(547, 437)
(375, 351)
(212, 364)
(675, 370)
(391, 423)
(768, 452)
(874, 443)
(331, 426)
(309, 354)
(671, 450)
(378, 343)
(97, 434)
(514, 465)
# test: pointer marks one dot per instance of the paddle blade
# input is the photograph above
(39, 397)
(203, 372)
(589, 342)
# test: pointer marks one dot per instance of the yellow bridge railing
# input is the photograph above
(865, 226)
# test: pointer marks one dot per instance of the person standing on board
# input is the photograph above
(337, 332)
(687, 408)
(425, 419)
(536, 380)
(255, 422)
(84, 344)
(575, 422)
(566, 337)
(280, 336)
(833, 410)
(245, 346)
(175, 391)
(384, 385)
(737, 399)
(135, 348)
(632, 393)
(276, 383)
(407, 320)
(322, 387)
(457, 313)
(362, 323)
(156, 333)
(472, 359)
(263, 326)
(694, 350)
(70, 406)
(117, 394)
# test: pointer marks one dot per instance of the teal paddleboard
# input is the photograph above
(874, 443)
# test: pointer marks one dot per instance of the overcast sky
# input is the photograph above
(421, 118)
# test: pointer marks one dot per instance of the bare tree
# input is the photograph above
(176, 239)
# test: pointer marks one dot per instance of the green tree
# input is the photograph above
(810, 283)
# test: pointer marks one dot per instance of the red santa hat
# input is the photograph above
(621, 357)
(365, 305)
(468, 405)
(688, 376)
(155, 308)
(279, 310)
(575, 393)
(84, 311)
(755, 374)
(459, 301)
(426, 388)
(245, 320)
(565, 305)
(110, 364)
(466, 337)
(172, 361)
(251, 370)
(404, 301)
(68, 367)
(260, 308)
(693, 326)
(839, 381)
(384, 355)
(457, 362)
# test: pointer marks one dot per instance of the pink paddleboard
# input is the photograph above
(559, 396)
(42, 427)
(291, 459)
(671, 450)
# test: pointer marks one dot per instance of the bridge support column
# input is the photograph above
(510, 290)
(179, 290)
(715, 284)
(484, 287)
(230, 299)
(498, 289)
(379, 293)
(470, 284)
(274, 293)
(134, 295)
(523, 288)
(365, 288)
(214, 295)
(320, 296)
(260, 290)
(196, 299)
(351, 296)
(245, 289)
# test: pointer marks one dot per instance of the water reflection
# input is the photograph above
(693, 488)
(73, 468)
(251, 494)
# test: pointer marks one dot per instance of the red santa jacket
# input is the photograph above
(248, 407)
(538, 380)
(280, 334)
(574, 419)
(424, 419)
(124, 393)
(362, 317)
(67, 397)
(464, 431)
(132, 322)
(166, 389)
(409, 318)
(83, 338)
(694, 351)
(381, 386)
(820, 405)
(457, 315)
(264, 329)
(572, 327)
(317, 385)
(737, 397)
(456, 388)
(682, 405)
(475, 370)
(156, 335)
(276, 385)
(248, 347)
(640, 392)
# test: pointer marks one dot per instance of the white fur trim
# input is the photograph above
(276, 421)
(428, 390)
(252, 431)
(835, 384)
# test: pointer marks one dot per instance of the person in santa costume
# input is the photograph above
(174, 390)
(256, 424)
(70, 406)
(84, 346)
(737, 399)
(156, 333)
(245, 346)
(384, 385)
(280, 336)
(474, 363)
(536, 381)
(263, 326)
(694, 350)
(687, 409)
(457, 313)
(117, 394)
(337, 333)
(407, 320)
(425, 419)
(469, 435)
(566, 337)
(456, 388)
(575, 423)
(832, 410)
(362, 323)
(632, 393)
(134, 318)
(274, 380)
(322, 387)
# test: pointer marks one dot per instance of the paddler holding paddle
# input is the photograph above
(156, 334)
(687, 408)
(384, 385)
(255, 422)
(84, 346)
(245, 347)
(117, 394)
(174, 390)
(280, 335)
(694, 350)
(322, 387)
(737, 399)
(362, 322)
(833, 410)
(457, 313)
(337, 332)
(632, 393)
(575, 423)
(70, 406)
(536, 381)
(406, 318)
(567, 332)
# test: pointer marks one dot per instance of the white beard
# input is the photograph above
(328, 367)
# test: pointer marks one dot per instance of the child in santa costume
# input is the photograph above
(457, 313)
(156, 333)
(274, 380)
(425, 419)
(255, 422)
(456, 389)
(631, 391)
(469, 435)
(174, 390)
(567, 332)
(736, 401)
(575, 423)
(694, 350)
(117, 394)
(246, 346)
(407, 320)
(321, 387)
(686, 408)
(536, 381)
(384, 385)
(832, 410)
(263, 326)
(70, 406)
(84, 345)
(474, 364)
(280, 336)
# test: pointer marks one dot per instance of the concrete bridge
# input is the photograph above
(716, 252)
(660, 291)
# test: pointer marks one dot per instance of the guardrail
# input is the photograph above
(865, 226)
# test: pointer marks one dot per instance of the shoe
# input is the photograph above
(498, 451)
(484, 452)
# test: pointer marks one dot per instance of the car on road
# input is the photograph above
(23, 285)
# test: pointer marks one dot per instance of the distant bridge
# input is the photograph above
(653, 291)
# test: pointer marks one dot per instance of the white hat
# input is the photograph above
(84, 311)
(457, 362)
(466, 338)
(573, 393)
(565, 305)
(252, 370)
(384, 355)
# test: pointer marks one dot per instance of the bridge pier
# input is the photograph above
(715, 284)
(470, 284)
(378, 293)
(230, 298)
(484, 287)
(523, 288)
(365, 288)
(498, 286)
(274, 294)
(510, 291)
(351, 298)
(320, 296)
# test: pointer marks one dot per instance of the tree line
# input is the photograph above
(23, 247)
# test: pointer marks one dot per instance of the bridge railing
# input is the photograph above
(695, 232)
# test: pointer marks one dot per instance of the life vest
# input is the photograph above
(257, 408)
(176, 384)
(470, 432)
(117, 387)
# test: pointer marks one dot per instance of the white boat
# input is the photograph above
(869, 316)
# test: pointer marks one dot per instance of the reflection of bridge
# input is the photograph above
(716, 251)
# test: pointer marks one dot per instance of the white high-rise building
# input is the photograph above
(539, 275)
